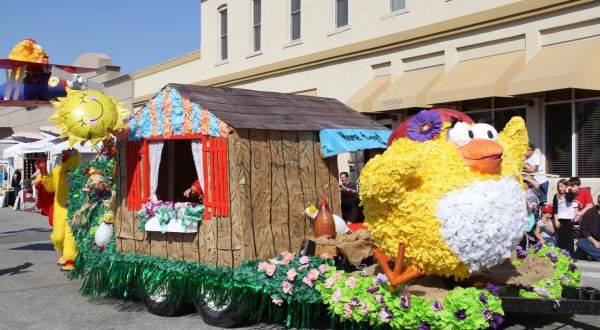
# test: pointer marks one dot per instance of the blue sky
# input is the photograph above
(135, 34)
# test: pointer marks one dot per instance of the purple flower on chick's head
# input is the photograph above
(424, 126)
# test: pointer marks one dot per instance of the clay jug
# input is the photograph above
(324, 223)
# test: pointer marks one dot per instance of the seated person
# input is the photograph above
(195, 190)
(544, 228)
(589, 242)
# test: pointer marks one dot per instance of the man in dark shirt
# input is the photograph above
(589, 242)
(349, 192)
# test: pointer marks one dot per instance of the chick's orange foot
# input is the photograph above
(397, 276)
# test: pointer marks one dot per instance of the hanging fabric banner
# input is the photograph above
(337, 141)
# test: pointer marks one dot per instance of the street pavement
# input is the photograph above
(34, 294)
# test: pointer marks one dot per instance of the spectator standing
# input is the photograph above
(583, 198)
(563, 210)
(349, 193)
(16, 187)
(589, 242)
(533, 164)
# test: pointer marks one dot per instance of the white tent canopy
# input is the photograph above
(20, 149)
(86, 150)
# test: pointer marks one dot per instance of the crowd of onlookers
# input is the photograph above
(567, 220)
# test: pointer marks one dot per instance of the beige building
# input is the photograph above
(388, 58)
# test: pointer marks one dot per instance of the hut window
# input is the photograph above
(175, 172)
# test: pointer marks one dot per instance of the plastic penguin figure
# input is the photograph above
(56, 182)
(104, 232)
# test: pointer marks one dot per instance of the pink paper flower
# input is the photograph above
(285, 261)
(291, 274)
(304, 260)
(337, 275)
(307, 281)
(323, 268)
(347, 310)
(277, 302)
(274, 261)
(313, 274)
(303, 267)
(364, 308)
(351, 282)
(337, 295)
(262, 266)
(271, 269)
(287, 287)
(329, 282)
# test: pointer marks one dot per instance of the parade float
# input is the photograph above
(444, 207)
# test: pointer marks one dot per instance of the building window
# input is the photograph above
(223, 13)
(295, 20)
(396, 5)
(558, 139)
(572, 138)
(341, 13)
(256, 21)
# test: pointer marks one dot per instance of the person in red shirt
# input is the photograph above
(195, 190)
(583, 198)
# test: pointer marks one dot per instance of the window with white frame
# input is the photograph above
(223, 13)
(341, 13)
(256, 24)
(396, 5)
(572, 137)
(295, 20)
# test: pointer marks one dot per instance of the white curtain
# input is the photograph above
(197, 153)
(155, 149)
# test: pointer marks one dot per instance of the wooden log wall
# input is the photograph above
(273, 177)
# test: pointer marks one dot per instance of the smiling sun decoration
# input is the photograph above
(87, 115)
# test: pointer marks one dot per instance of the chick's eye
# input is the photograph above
(485, 131)
(460, 134)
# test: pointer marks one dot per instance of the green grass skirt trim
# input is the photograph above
(131, 276)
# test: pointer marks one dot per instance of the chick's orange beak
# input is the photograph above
(484, 156)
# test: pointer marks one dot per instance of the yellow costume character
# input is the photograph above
(56, 182)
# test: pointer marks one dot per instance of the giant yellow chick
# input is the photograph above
(449, 190)
(56, 181)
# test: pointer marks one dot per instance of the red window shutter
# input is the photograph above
(216, 180)
(133, 175)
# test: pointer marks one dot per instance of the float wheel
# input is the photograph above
(226, 316)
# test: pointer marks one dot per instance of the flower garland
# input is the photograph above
(368, 299)
(187, 213)
(286, 277)
(565, 273)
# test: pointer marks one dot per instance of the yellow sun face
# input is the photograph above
(87, 115)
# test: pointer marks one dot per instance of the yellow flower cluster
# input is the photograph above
(514, 141)
(28, 50)
(400, 190)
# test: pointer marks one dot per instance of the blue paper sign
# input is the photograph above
(336, 141)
